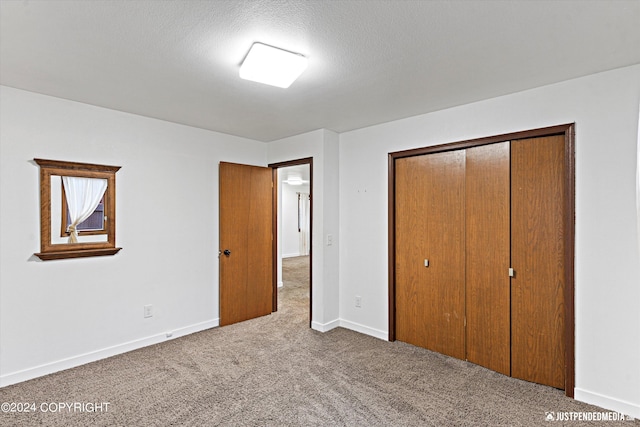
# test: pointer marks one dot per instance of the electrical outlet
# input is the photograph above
(148, 310)
(358, 301)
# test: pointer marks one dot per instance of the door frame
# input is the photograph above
(568, 131)
(274, 249)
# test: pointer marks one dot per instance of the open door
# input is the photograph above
(246, 287)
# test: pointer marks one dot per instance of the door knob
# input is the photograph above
(227, 252)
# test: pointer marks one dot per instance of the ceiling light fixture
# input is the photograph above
(295, 180)
(272, 66)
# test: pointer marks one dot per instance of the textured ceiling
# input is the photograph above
(369, 61)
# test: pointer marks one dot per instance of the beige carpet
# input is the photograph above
(275, 371)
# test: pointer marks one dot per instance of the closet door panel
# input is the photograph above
(537, 252)
(430, 226)
(488, 256)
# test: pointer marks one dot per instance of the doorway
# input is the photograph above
(293, 221)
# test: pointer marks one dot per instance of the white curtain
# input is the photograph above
(303, 222)
(83, 196)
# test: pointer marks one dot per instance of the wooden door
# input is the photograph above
(487, 236)
(429, 220)
(537, 253)
(246, 233)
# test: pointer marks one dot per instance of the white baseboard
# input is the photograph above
(324, 327)
(72, 362)
(291, 255)
(280, 284)
(606, 402)
(383, 335)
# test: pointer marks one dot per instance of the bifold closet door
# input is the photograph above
(537, 256)
(430, 247)
(488, 249)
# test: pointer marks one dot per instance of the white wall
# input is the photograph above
(322, 146)
(58, 314)
(289, 220)
(607, 269)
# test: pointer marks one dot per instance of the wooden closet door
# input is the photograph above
(537, 253)
(487, 237)
(430, 226)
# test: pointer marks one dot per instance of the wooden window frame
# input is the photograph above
(52, 251)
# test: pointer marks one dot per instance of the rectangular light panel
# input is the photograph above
(272, 66)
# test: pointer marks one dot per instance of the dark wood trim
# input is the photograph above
(79, 253)
(303, 161)
(275, 166)
(459, 145)
(569, 258)
(75, 166)
(274, 239)
(392, 245)
(568, 130)
(310, 240)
